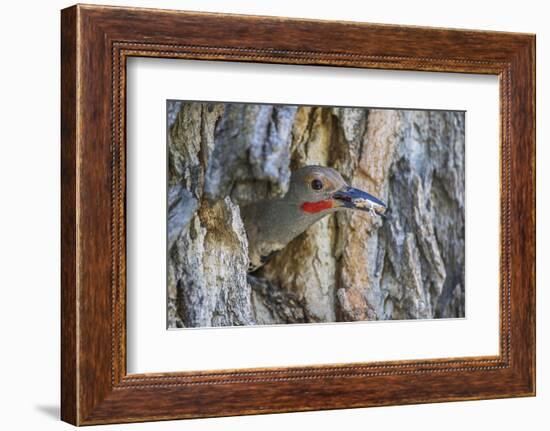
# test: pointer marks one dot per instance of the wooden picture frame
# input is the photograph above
(96, 41)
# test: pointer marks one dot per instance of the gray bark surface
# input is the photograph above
(346, 267)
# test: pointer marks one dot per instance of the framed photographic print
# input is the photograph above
(264, 214)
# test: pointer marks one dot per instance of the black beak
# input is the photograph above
(358, 199)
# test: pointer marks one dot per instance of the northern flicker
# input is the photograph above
(314, 192)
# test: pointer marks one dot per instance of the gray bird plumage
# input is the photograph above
(314, 192)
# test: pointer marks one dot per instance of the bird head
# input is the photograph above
(320, 190)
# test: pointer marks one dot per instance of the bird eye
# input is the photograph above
(316, 184)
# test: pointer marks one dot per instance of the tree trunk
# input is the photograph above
(348, 266)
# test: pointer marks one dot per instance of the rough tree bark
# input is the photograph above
(346, 267)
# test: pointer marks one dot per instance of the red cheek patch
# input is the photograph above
(315, 207)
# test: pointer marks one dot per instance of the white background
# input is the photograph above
(151, 348)
(29, 215)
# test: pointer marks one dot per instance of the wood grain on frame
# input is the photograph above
(96, 41)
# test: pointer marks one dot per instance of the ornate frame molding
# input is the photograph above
(96, 41)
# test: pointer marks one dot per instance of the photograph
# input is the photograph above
(271, 210)
(293, 214)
